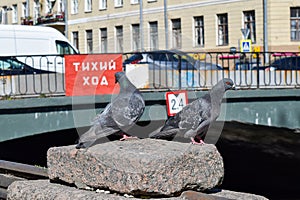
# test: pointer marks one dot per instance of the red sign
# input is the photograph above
(176, 100)
(92, 74)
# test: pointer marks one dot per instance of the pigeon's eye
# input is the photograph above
(228, 83)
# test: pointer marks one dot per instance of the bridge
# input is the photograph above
(36, 103)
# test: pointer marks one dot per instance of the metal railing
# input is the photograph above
(159, 70)
(32, 75)
(189, 70)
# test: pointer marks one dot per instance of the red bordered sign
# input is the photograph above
(175, 101)
(92, 74)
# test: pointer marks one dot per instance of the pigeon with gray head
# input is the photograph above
(118, 116)
(194, 119)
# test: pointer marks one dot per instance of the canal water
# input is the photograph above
(257, 159)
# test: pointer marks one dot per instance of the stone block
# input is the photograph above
(139, 167)
(43, 189)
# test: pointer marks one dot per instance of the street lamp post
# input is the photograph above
(265, 24)
(66, 12)
(27, 9)
(166, 24)
(141, 25)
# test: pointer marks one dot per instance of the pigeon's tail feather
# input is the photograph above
(171, 123)
(165, 134)
(89, 138)
(82, 145)
(152, 134)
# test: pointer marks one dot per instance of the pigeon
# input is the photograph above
(194, 119)
(118, 116)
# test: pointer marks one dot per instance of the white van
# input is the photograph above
(38, 46)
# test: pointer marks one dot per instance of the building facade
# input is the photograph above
(33, 12)
(106, 26)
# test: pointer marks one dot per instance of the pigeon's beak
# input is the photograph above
(233, 87)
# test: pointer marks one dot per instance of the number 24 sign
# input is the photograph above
(176, 100)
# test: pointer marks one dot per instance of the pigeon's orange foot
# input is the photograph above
(197, 143)
(126, 137)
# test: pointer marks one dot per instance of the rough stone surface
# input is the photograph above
(192, 195)
(138, 167)
(43, 189)
(220, 195)
(238, 195)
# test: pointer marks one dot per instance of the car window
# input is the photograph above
(10, 64)
(173, 57)
(64, 48)
(160, 57)
(4, 65)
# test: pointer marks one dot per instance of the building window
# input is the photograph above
(118, 3)
(119, 39)
(199, 31)
(75, 39)
(14, 14)
(61, 6)
(176, 33)
(87, 5)
(153, 35)
(89, 41)
(36, 10)
(23, 12)
(249, 23)
(295, 23)
(136, 40)
(102, 4)
(74, 7)
(134, 1)
(103, 40)
(222, 29)
(3, 15)
(48, 6)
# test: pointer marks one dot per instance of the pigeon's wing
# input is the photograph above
(128, 109)
(105, 119)
(136, 107)
(190, 116)
(193, 115)
(200, 130)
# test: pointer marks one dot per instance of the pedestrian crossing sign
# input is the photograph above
(246, 45)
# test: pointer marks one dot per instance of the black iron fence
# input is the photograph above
(159, 70)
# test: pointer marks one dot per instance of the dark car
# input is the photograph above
(248, 66)
(169, 59)
(12, 66)
(285, 63)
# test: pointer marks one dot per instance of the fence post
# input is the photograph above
(179, 70)
(257, 69)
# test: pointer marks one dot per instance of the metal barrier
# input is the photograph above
(159, 70)
(189, 70)
(31, 75)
